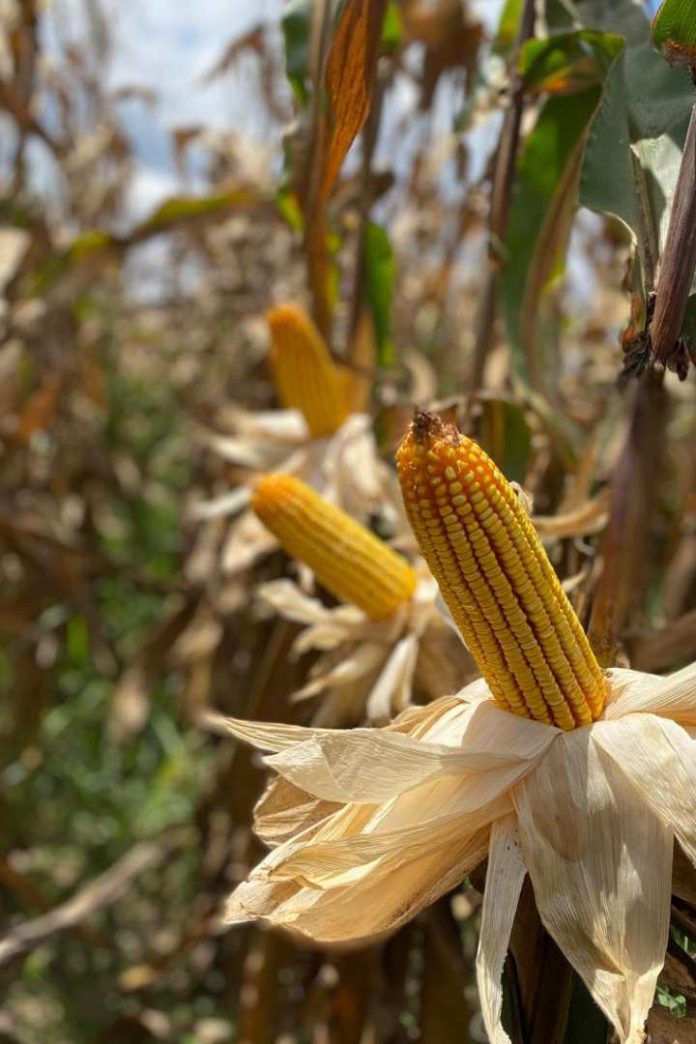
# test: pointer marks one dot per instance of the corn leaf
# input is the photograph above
(543, 204)
(380, 276)
(674, 31)
(350, 77)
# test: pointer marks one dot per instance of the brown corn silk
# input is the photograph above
(346, 558)
(305, 376)
(496, 578)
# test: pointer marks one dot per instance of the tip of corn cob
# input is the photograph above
(347, 559)
(495, 577)
(305, 376)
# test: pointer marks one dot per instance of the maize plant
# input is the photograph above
(305, 375)
(221, 506)
(345, 557)
(384, 640)
(580, 778)
(496, 579)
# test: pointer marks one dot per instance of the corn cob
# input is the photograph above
(496, 579)
(346, 558)
(305, 376)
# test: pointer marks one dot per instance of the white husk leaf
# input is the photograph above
(361, 662)
(504, 878)
(392, 691)
(600, 863)
(671, 697)
(659, 759)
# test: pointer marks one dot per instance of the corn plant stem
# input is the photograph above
(538, 978)
(315, 249)
(634, 495)
(501, 192)
(679, 257)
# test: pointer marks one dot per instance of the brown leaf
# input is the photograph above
(350, 78)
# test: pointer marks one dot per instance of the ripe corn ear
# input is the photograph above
(346, 558)
(496, 579)
(305, 376)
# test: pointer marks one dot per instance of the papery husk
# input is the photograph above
(388, 819)
(394, 685)
(505, 875)
(369, 666)
(344, 467)
(673, 696)
(284, 810)
(413, 813)
(658, 759)
(600, 864)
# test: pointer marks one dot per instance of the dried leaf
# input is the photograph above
(350, 78)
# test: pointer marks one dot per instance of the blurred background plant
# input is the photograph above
(471, 200)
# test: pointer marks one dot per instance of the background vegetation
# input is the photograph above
(493, 239)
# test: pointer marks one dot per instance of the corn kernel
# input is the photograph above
(496, 578)
(346, 558)
(305, 376)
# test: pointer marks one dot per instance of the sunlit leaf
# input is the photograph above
(289, 206)
(181, 209)
(543, 205)
(380, 276)
(674, 31)
(508, 26)
(392, 28)
(350, 77)
(569, 62)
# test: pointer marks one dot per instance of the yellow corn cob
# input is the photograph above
(346, 558)
(496, 579)
(305, 376)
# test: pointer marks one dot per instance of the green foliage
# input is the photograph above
(508, 26)
(296, 29)
(634, 147)
(674, 31)
(568, 62)
(506, 436)
(380, 277)
(543, 204)
(674, 1002)
(392, 28)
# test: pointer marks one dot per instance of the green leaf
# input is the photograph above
(626, 17)
(180, 209)
(674, 1002)
(380, 278)
(392, 28)
(674, 31)
(508, 27)
(95, 245)
(543, 204)
(288, 205)
(634, 145)
(568, 62)
(296, 24)
(505, 435)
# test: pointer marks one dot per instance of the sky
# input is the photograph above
(170, 46)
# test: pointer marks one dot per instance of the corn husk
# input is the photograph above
(371, 825)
